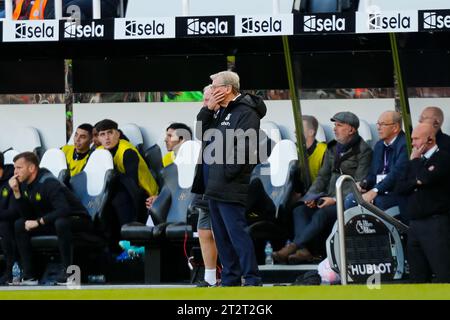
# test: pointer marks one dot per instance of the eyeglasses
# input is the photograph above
(382, 124)
(215, 86)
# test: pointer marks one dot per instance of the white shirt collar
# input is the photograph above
(430, 152)
(390, 142)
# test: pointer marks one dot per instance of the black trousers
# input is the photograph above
(429, 249)
(63, 227)
(8, 243)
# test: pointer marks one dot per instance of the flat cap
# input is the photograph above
(346, 117)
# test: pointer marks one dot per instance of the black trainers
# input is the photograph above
(204, 284)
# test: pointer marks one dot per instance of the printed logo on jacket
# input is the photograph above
(144, 28)
(434, 20)
(324, 23)
(86, 30)
(264, 25)
(386, 21)
(211, 26)
(30, 30)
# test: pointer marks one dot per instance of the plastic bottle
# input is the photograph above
(268, 251)
(16, 273)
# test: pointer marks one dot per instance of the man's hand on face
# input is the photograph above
(216, 98)
(14, 183)
(416, 153)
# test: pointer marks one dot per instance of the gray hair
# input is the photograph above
(228, 78)
(206, 88)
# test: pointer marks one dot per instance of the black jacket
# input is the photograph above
(228, 177)
(432, 197)
(48, 198)
(443, 141)
(7, 211)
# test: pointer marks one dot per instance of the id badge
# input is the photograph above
(380, 177)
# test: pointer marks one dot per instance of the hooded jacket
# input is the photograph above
(228, 153)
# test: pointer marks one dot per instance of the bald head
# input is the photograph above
(432, 115)
(424, 136)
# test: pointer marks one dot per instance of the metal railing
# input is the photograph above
(341, 222)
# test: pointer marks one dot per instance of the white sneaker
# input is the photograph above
(29, 282)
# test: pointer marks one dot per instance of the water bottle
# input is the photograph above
(268, 251)
(16, 273)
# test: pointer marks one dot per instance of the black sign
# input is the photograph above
(324, 23)
(368, 248)
(434, 20)
(86, 30)
(213, 26)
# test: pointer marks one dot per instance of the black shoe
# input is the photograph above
(204, 284)
(61, 278)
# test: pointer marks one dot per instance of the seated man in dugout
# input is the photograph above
(77, 154)
(46, 206)
(348, 154)
(135, 183)
(390, 158)
(176, 135)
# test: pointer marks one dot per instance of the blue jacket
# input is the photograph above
(396, 162)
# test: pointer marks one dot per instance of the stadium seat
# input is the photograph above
(134, 134)
(270, 190)
(320, 135)
(9, 156)
(54, 160)
(153, 158)
(272, 130)
(169, 212)
(28, 139)
(364, 131)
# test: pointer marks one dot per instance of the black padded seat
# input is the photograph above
(170, 211)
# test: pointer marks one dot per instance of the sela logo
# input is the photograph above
(196, 26)
(137, 29)
(73, 30)
(32, 31)
(254, 25)
(318, 24)
(436, 20)
(379, 21)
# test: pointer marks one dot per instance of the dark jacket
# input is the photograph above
(228, 177)
(432, 197)
(443, 141)
(354, 162)
(7, 211)
(396, 161)
(48, 198)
